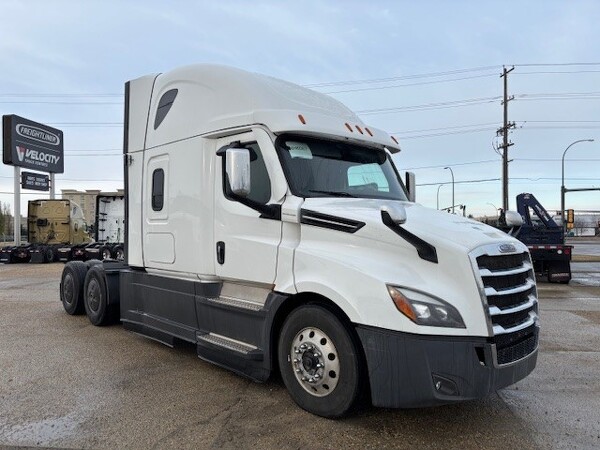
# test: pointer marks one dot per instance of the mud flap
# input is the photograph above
(559, 271)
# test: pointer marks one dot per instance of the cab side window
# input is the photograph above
(158, 188)
(260, 184)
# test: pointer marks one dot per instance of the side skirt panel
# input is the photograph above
(232, 334)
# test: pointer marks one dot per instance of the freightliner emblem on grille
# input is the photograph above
(507, 248)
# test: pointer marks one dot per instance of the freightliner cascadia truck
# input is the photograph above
(109, 229)
(55, 229)
(269, 226)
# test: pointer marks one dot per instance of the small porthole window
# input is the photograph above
(164, 105)
(158, 189)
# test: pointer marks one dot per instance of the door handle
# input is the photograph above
(221, 252)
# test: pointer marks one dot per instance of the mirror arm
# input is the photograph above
(269, 211)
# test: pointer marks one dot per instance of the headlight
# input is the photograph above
(423, 309)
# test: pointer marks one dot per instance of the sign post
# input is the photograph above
(31, 145)
(17, 203)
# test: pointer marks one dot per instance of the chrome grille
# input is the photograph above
(507, 285)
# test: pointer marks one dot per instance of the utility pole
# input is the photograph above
(505, 144)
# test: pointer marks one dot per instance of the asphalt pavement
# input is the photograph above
(65, 383)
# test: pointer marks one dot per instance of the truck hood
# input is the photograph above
(435, 227)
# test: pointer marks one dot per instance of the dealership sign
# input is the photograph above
(35, 181)
(32, 145)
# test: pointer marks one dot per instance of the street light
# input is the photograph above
(562, 187)
(491, 204)
(450, 169)
(438, 196)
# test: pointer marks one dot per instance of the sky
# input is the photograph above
(428, 72)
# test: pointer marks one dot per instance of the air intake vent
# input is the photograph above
(332, 222)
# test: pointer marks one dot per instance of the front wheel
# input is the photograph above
(319, 362)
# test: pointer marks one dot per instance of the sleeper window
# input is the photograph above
(164, 105)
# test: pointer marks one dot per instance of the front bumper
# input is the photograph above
(409, 371)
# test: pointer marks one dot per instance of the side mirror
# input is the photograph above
(237, 168)
(513, 219)
(411, 186)
(396, 212)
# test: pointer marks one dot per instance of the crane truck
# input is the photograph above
(55, 229)
(267, 225)
(545, 240)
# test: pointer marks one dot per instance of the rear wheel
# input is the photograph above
(71, 287)
(48, 255)
(319, 362)
(96, 297)
(104, 253)
(119, 254)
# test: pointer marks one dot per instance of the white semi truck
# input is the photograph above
(109, 229)
(268, 225)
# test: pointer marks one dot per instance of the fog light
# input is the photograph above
(444, 385)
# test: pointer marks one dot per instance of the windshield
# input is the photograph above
(321, 168)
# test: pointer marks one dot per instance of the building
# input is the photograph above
(87, 200)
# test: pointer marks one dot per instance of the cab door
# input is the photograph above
(245, 243)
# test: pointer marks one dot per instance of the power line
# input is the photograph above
(557, 64)
(555, 159)
(543, 72)
(453, 164)
(410, 84)
(45, 102)
(444, 128)
(403, 77)
(430, 106)
(30, 95)
(447, 133)
(559, 121)
(461, 182)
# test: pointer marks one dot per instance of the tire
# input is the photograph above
(119, 253)
(104, 253)
(95, 297)
(71, 287)
(312, 335)
(48, 255)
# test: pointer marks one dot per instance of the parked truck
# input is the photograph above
(269, 226)
(54, 228)
(545, 240)
(109, 229)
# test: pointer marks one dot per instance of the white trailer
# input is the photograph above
(268, 225)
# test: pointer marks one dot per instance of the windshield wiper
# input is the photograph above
(333, 193)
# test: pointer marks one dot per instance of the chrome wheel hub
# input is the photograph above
(315, 361)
